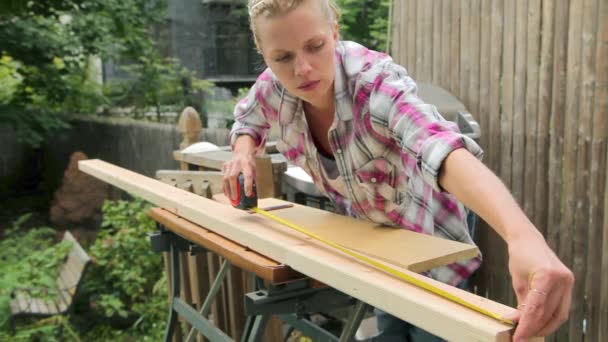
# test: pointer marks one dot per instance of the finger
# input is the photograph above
(561, 314)
(534, 311)
(232, 185)
(248, 174)
(225, 181)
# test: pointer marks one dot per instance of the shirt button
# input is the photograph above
(339, 151)
(373, 179)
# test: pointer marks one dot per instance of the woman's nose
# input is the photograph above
(303, 67)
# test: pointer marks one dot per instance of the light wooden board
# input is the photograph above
(414, 251)
(331, 267)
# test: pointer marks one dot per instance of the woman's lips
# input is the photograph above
(307, 86)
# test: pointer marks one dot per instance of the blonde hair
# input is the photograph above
(271, 8)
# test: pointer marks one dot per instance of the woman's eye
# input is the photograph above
(282, 58)
(317, 47)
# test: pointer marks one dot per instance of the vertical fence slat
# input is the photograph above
(420, 19)
(567, 231)
(508, 71)
(558, 110)
(494, 256)
(582, 211)
(474, 49)
(395, 45)
(445, 44)
(483, 231)
(531, 120)
(597, 302)
(455, 48)
(411, 19)
(603, 325)
(436, 53)
(495, 63)
(544, 109)
(465, 62)
(484, 73)
(427, 42)
(519, 101)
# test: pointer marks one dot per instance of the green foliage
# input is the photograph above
(10, 78)
(155, 82)
(53, 42)
(365, 22)
(30, 260)
(127, 278)
(126, 287)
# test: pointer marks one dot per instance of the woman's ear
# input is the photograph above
(336, 28)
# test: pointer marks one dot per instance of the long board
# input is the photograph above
(408, 302)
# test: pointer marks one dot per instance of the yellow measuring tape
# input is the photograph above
(408, 278)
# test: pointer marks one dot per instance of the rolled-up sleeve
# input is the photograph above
(252, 113)
(424, 136)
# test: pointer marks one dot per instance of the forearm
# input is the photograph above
(479, 189)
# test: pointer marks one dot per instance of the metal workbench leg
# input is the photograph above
(354, 321)
(254, 328)
(217, 283)
(172, 320)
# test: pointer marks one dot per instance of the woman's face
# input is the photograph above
(299, 48)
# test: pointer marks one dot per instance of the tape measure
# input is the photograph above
(251, 204)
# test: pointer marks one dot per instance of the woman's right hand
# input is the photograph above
(243, 161)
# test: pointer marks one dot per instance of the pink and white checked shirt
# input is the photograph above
(388, 146)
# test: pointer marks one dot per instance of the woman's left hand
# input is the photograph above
(543, 285)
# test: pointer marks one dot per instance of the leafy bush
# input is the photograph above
(126, 283)
(124, 295)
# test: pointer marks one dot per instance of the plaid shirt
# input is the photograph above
(388, 146)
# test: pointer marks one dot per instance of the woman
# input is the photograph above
(350, 117)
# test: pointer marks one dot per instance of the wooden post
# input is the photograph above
(194, 284)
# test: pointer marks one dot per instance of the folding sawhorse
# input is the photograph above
(287, 294)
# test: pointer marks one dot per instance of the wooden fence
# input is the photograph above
(534, 73)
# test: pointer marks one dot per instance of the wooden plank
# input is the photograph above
(598, 319)
(403, 300)
(544, 111)
(531, 107)
(240, 256)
